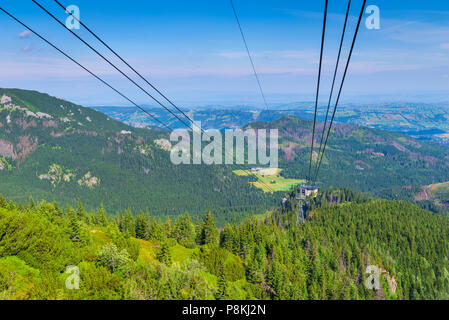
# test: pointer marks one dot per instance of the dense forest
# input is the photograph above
(44, 247)
(54, 150)
(93, 199)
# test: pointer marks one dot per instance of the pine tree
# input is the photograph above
(32, 205)
(3, 203)
(120, 221)
(253, 273)
(164, 255)
(156, 231)
(75, 229)
(168, 228)
(91, 218)
(226, 238)
(102, 218)
(197, 231)
(222, 291)
(142, 226)
(129, 229)
(209, 232)
(184, 229)
(80, 212)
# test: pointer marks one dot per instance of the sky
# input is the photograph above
(193, 51)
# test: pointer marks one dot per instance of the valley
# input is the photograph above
(104, 197)
(63, 152)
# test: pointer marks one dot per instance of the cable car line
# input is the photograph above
(100, 79)
(318, 87)
(333, 82)
(98, 53)
(83, 67)
(249, 54)
(110, 63)
(341, 87)
(124, 61)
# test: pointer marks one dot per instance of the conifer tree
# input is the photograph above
(129, 228)
(156, 231)
(91, 219)
(209, 232)
(120, 221)
(184, 230)
(164, 255)
(3, 203)
(142, 226)
(80, 212)
(102, 219)
(75, 228)
(197, 231)
(32, 205)
(222, 291)
(168, 228)
(226, 238)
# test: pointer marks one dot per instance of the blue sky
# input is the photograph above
(193, 51)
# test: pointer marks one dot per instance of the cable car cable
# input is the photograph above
(333, 81)
(124, 61)
(318, 88)
(110, 63)
(83, 67)
(96, 36)
(249, 54)
(341, 87)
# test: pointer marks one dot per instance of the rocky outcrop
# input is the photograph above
(7, 149)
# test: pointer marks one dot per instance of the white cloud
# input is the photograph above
(445, 46)
(233, 55)
(27, 48)
(370, 67)
(25, 34)
(280, 54)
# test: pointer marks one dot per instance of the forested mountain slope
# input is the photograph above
(386, 164)
(55, 150)
(269, 257)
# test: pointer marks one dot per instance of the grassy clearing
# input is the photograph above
(441, 191)
(272, 178)
(148, 249)
(180, 253)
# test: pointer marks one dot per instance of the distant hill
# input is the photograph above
(56, 150)
(384, 163)
(422, 121)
